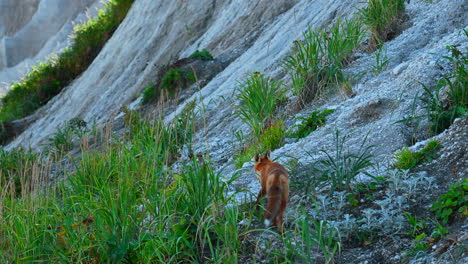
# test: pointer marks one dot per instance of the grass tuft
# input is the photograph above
(381, 17)
(405, 159)
(203, 55)
(310, 123)
(258, 95)
(317, 63)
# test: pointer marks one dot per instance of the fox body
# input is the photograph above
(275, 184)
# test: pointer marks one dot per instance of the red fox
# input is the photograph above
(275, 184)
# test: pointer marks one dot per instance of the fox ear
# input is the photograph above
(256, 158)
(267, 155)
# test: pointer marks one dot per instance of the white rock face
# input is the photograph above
(259, 36)
(30, 30)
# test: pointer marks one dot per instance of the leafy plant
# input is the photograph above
(258, 95)
(405, 159)
(380, 17)
(203, 55)
(418, 226)
(310, 123)
(150, 92)
(343, 166)
(440, 113)
(175, 79)
(318, 62)
(455, 200)
(271, 139)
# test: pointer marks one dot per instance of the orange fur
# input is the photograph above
(275, 184)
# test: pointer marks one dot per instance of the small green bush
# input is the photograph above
(175, 79)
(452, 202)
(441, 115)
(380, 17)
(310, 123)
(341, 168)
(203, 55)
(150, 92)
(405, 159)
(271, 139)
(318, 62)
(258, 95)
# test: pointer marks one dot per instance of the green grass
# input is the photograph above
(17, 167)
(47, 79)
(122, 204)
(149, 93)
(203, 55)
(173, 80)
(310, 123)
(341, 167)
(442, 114)
(258, 95)
(380, 17)
(270, 139)
(405, 159)
(320, 237)
(318, 61)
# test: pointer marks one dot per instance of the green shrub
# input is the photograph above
(440, 114)
(258, 95)
(380, 18)
(454, 201)
(405, 159)
(150, 92)
(318, 62)
(271, 139)
(175, 79)
(342, 167)
(203, 55)
(310, 123)
(47, 79)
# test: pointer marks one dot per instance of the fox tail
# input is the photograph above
(273, 204)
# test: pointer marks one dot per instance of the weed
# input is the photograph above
(341, 168)
(417, 226)
(258, 95)
(47, 79)
(318, 62)
(150, 92)
(271, 139)
(175, 79)
(324, 236)
(452, 202)
(405, 159)
(381, 17)
(16, 169)
(203, 55)
(381, 61)
(310, 123)
(441, 114)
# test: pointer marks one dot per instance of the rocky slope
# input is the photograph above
(31, 30)
(247, 37)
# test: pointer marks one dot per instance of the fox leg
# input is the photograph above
(284, 202)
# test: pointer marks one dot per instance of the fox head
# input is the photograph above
(259, 162)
